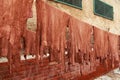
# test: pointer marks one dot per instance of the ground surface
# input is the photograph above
(113, 75)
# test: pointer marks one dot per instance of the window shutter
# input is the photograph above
(73, 3)
(103, 9)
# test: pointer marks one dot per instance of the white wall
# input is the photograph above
(87, 15)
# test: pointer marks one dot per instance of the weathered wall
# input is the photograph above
(42, 67)
(87, 15)
(32, 22)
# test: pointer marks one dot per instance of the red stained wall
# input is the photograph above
(65, 48)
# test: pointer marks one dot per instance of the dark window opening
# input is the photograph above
(119, 44)
(68, 43)
(73, 3)
(92, 39)
(46, 52)
(102, 9)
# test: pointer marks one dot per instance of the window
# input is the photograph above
(73, 3)
(102, 9)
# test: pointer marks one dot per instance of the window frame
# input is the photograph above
(69, 4)
(112, 18)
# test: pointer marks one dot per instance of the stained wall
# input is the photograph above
(87, 14)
